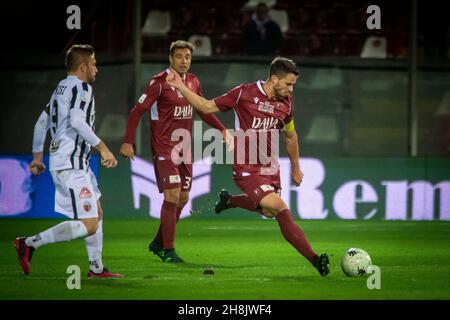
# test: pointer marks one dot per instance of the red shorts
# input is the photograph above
(170, 175)
(258, 186)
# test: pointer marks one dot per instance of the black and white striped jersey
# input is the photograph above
(70, 117)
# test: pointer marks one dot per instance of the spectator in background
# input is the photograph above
(262, 35)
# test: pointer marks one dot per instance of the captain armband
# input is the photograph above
(289, 127)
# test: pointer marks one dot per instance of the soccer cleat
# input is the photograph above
(157, 249)
(171, 256)
(24, 254)
(322, 264)
(224, 201)
(104, 274)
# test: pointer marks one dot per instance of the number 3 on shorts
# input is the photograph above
(187, 182)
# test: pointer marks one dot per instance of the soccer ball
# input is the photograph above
(356, 262)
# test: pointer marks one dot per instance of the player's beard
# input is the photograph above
(277, 92)
(91, 79)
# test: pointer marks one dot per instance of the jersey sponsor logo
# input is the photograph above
(265, 123)
(256, 99)
(182, 112)
(265, 106)
(142, 98)
(85, 193)
(87, 206)
(174, 179)
(266, 188)
(54, 146)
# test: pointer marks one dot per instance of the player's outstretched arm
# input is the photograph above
(291, 141)
(198, 102)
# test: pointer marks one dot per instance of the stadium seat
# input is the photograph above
(156, 23)
(226, 44)
(280, 17)
(202, 45)
(253, 3)
(374, 47)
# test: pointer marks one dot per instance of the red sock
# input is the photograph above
(168, 221)
(179, 213)
(294, 235)
(243, 201)
(159, 237)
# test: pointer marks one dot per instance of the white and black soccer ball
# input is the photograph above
(356, 262)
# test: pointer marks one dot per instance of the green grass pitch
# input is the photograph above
(249, 257)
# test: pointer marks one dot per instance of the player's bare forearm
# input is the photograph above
(292, 148)
(201, 104)
(38, 156)
(198, 102)
(294, 154)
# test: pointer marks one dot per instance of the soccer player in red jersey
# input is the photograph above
(169, 111)
(260, 107)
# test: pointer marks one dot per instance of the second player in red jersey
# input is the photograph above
(169, 111)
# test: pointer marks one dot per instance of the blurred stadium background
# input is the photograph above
(363, 95)
(372, 108)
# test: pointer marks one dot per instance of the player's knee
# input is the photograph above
(184, 198)
(277, 207)
(91, 226)
(267, 213)
(172, 195)
(277, 210)
(100, 213)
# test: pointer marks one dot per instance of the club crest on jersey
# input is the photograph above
(87, 206)
(265, 123)
(182, 112)
(54, 146)
(266, 107)
(85, 193)
(142, 98)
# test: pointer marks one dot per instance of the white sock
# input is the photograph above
(65, 231)
(94, 247)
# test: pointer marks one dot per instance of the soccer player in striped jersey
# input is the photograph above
(262, 108)
(70, 117)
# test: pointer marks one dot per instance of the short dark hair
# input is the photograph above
(77, 54)
(282, 66)
(181, 44)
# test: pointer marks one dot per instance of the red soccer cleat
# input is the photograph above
(24, 254)
(105, 274)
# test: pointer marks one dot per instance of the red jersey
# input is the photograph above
(255, 111)
(169, 111)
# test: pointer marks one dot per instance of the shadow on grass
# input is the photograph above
(191, 265)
